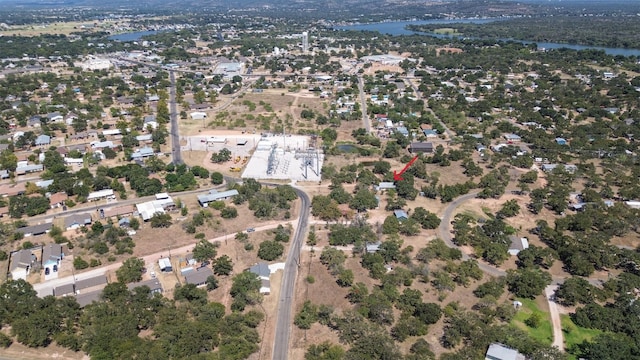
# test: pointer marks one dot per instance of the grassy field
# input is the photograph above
(574, 334)
(447, 31)
(544, 331)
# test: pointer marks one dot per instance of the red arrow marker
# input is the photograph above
(398, 176)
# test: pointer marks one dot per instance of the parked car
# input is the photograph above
(250, 230)
(46, 271)
(205, 263)
(55, 268)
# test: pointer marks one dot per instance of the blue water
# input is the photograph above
(132, 36)
(399, 28)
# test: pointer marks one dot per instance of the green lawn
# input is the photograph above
(447, 31)
(544, 332)
(574, 334)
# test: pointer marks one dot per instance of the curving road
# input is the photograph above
(284, 322)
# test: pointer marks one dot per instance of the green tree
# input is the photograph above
(222, 156)
(130, 271)
(223, 265)
(325, 351)
(527, 283)
(204, 250)
(270, 250)
(160, 220)
(217, 178)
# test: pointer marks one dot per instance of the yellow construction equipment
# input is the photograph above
(244, 161)
(237, 160)
(236, 169)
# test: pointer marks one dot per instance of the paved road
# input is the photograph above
(284, 322)
(173, 114)
(363, 107)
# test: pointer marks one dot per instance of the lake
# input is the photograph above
(399, 28)
(132, 36)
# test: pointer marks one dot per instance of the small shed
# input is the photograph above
(165, 265)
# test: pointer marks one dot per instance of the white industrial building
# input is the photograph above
(96, 64)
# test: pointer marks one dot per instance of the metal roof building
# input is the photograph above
(214, 195)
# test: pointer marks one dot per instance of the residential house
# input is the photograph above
(153, 284)
(88, 298)
(402, 130)
(21, 263)
(99, 145)
(158, 206)
(102, 194)
(117, 211)
(4, 174)
(501, 352)
(34, 121)
(91, 284)
(150, 120)
(263, 272)
(517, 244)
(51, 256)
(512, 138)
(372, 247)
(76, 221)
(384, 185)
(54, 117)
(401, 215)
(13, 190)
(57, 200)
(35, 230)
(430, 133)
(421, 147)
(44, 184)
(561, 141)
(27, 169)
(64, 290)
(43, 140)
(215, 195)
(198, 277)
(142, 153)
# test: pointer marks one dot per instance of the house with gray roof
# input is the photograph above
(21, 263)
(215, 195)
(52, 255)
(142, 153)
(42, 140)
(75, 221)
(89, 297)
(66, 289)
(263, 272)
(153, 285)
(35, 230)
(26, 169)
(501, 352)
(198, 277)
(91, 283)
